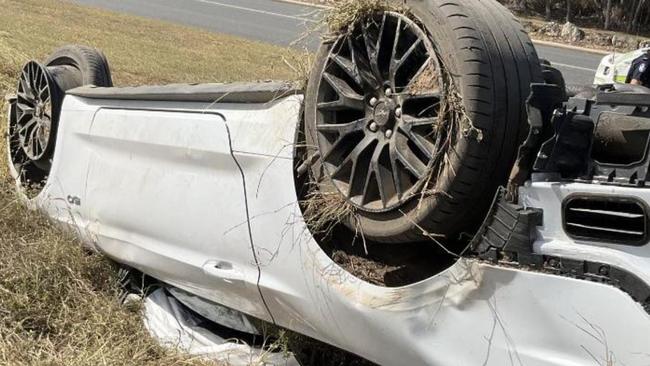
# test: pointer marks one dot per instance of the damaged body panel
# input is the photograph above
(172, 164)
(202, 196)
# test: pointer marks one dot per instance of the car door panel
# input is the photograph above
(165, 195)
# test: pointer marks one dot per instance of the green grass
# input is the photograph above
(58, 304)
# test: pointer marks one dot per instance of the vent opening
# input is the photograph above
(606, 219)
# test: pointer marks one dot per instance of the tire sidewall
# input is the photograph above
(91, 63)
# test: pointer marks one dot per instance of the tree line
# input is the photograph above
(632, 16)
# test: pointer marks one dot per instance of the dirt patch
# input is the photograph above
(389, 265)
(362, 267)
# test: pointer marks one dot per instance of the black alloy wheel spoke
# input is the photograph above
(379, 175)
(365, 77)
(410, 161)
(420, 142)
(411, 122)
(435, 95)
(392, 69)
(350, 161)
(347, 97)
(343, 128)
(349, 66)
(372, 46)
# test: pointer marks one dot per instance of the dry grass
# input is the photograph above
(345, 13)
(58, 303)
(300, 63)
(454, 111)
(323, 210)
(453, 121)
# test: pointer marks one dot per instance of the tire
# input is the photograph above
(82, 66)
(493, 62)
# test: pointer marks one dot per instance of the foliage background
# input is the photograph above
(632, 16)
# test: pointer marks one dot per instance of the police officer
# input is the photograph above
(640, 70)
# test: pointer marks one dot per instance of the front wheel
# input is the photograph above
(417, 115)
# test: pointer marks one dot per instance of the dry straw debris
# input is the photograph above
(300, 64)
(345, 13)
(323, 210)
(453, 123)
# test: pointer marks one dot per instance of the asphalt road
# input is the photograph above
(283, 23)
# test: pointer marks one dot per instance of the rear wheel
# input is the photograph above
(34, 123)
(418, 116)
(34, 129)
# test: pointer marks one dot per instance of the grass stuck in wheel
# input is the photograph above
(424, 92)
(324, 210)
(346, 13)
(415, 113)
(384, 114)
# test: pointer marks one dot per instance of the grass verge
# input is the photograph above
(58, 303)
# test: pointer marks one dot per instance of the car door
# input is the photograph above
(165, 195)
(263, 140)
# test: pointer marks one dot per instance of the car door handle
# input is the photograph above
(223, 270)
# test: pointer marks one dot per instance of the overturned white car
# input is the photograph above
(277, 203)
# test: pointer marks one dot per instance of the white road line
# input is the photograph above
(256, 11)
(572, 67)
